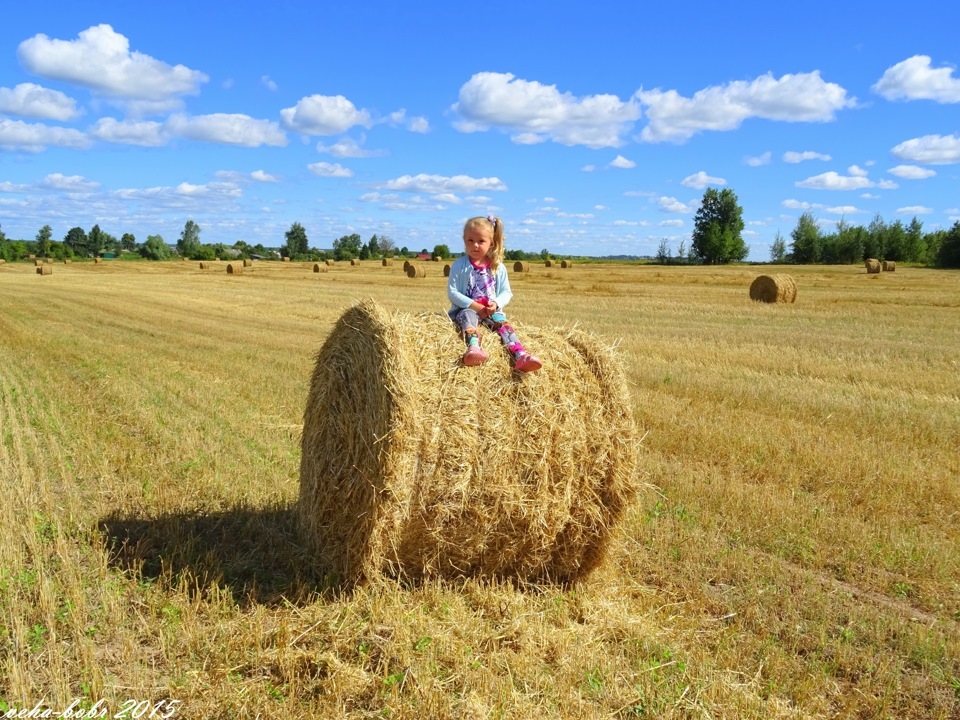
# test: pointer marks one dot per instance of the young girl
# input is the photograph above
(479, 290)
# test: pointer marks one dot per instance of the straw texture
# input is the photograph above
(774, 289)
(44, 269)
(415, 466)
(387, 262)
(416, 271)
(889, 266)
(872, 265)
(521, 266)
(235, 268)
(318, 268)
(446, 270)
(566, 263)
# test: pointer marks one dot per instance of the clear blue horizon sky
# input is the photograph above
(588, 128)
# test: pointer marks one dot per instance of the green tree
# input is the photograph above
(404, 251)
(875, 245)
(948, 255)
(718, 228)
(95, 240)
(373, 246)
(896, 242)
(663, 252)
(155, 248)
(385, 246)
(347, 247)
(441, 251)
(297, 244)
(43, 241)
(128, 242)
(806, 244)
(189, 242)
(916, 247)
(778, 249)
(76, 240)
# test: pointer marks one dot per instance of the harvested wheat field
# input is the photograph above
(792, 551)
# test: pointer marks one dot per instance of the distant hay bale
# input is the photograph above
(354, 261)
(415, 271)
(67, 261)
(331, 263)
(446, 270)
(548, 263)
(48, 260)
(286, 259)
(206, 265)
(437, 258)
(38, 262)
(318, 268)
(97, 261)
(774, 289)
(399, 476)
(2, 261)
(31, 257)
(44, 269)
(566, 264)
(387, 262)
(235, 268)
(872, 265)
(248, 263)
(889, 266)
(406, 265)
(521, 266)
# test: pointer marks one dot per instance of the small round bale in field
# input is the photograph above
(416, 271)
(406, 265)
(387, 262)
(437, 258)
(331, 263)
(566, 264)
(97, 261)
(872, 265)
(248, 263)
(2, 261)
(354, 261)
(206, 265)
(889, 266)
(286, 259)
(401, 476)
(318, 268)
(774, 289)
(38, 262)
(44, 269)
(521, 267)
(67, 261)
(235, 268)
(446, 270)
(548, 263)
(48, 260)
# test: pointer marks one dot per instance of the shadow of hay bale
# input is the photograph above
(413, 466)
(253, 553)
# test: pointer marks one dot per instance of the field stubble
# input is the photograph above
(795, 553)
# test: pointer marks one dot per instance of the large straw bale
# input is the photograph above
(248, 263)
(387, 262)
(235, 268)
(774, 289)
(44, 269)
(566, 263)
(331, 263)
(416, 271)
(872, 265)
(406, 265)
(354, 261)
(889, 266)
(548, 263)
(415, 466)
(318, 268)
(446, 270)
(521, 267)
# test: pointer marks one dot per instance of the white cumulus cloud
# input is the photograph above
(324, 115)
(261, 176)
(834, 181)
(670, 204)
(227, 129)
(758, 160)
(929, 150)
(914, 79)
(36, 137)
(803, 97)
(914, 210)
(101, 60)
(437, 184)
(130, 132)
(325, 169)
(843, 210)
(349, 148)
(700, 180)
(69, 183)
(530, 110)
(34, 101)
(621, 162)
(911, 172)
(792, 156)
(796, 204)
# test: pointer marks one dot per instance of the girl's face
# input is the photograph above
(476, 241)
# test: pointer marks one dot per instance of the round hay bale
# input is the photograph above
(872, 265)
(44, 269)
(206, 265)
(446, 270)
(235, 268)
(31, 257)
(67, 261)
(387, 262)
(548, 263)
(406, 265)
(566, 264)
(2, 261)
(437, 258)
(97, 261)
(889, 266)
(520, 266)
(38, 262)
(330, 263)
(248, 263)
(286, 259)
(416, 271)
(774, 289)
(48, 260)
(318, 268)
(400, 477)
(354, 261)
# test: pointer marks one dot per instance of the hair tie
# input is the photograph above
(492, 219)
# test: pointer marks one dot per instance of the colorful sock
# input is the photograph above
(516, 348)
(472, 340)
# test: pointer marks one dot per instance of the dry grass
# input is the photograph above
(149, 466)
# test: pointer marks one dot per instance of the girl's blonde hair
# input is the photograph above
(495, 253)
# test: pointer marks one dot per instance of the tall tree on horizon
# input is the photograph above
(718, 229)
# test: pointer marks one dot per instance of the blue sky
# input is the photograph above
(590, 128)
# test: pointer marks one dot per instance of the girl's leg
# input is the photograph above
(468, 321)
(522, 360)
